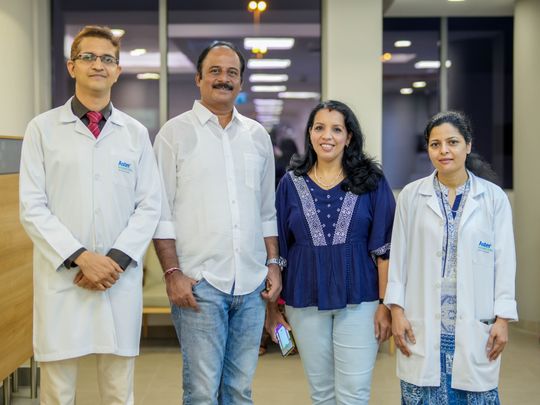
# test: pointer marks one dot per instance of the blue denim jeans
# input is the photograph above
(220, 345)
(338, 351)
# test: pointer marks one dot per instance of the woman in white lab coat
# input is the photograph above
(452, 274)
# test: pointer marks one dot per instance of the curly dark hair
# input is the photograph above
(362, 173)
(474, 162)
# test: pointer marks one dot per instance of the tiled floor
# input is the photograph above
(281, 380)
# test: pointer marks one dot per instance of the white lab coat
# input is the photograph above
(485, 280)
(76, 191)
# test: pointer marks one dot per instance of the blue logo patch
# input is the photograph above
(124, 166)
(485, 247)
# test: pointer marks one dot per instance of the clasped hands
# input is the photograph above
(97, 272)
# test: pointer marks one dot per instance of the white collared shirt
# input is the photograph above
(218, 200)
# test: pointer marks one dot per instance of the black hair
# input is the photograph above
(217, 44)
(362, 172)
(474, 162)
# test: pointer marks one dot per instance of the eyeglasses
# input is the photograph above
(89, 57)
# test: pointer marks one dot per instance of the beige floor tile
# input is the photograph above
(281, 380)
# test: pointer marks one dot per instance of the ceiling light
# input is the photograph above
(300, 95)
(267, 120)
(427, 64)
(268, 89)
(402, 43)
(118, 32)
(268, 63)
(419, 85)
(386, 57)
(269, 109)
(148, 76)
(268, 43)
(267, 78)
(137, 52)
(150, 62)
(455, 1)
(431, 64)
(406, 90)
(267, 101)
(400, 58)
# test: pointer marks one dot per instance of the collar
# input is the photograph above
(67, 114)
(80, 110)
(204, 115)
(477, 186)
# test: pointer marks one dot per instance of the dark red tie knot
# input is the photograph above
(94, 116)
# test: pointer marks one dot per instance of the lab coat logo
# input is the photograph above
(485, 247)
(124, 167)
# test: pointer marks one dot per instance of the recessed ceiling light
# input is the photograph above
(148, 76)
(137, 52)
(300, 95)
(118, 32)
(268, 43)
(267, 101)
(269, 109)
(427, 64)
(268, 63)
(267, 78)
(419, 84)
(268, 89)
(402, 43)
(406, 90)
(400, 58)
(431, 64)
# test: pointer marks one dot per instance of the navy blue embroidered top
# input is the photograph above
(330, 239)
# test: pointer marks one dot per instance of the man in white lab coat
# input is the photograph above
(90, 202)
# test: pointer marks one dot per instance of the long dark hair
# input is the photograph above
(362, 172)
(474, 162)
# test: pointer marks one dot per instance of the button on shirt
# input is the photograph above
(218, 200)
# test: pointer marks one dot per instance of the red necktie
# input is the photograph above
(94, 117)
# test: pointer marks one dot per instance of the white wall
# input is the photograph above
(351, 64)
(25, 50)
(526, 147)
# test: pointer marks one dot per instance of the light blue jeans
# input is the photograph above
(220, 345)
(338, 351)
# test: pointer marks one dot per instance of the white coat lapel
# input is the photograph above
(427, 190)
(471, 204)
(67, 116)
(114, 120)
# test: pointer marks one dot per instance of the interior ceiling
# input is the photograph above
(444, 8)
(297, 18)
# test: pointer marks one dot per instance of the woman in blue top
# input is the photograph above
(335, 212)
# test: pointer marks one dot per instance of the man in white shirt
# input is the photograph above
(90, 202)
(217, 231)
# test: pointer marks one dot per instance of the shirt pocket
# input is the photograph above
(253, 166)
(123, 170)
(483, 252)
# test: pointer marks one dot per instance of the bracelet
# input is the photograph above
(170, 271)
(280, 261)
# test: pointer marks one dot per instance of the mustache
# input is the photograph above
(225, 86)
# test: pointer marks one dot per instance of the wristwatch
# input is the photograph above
(280, 261)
